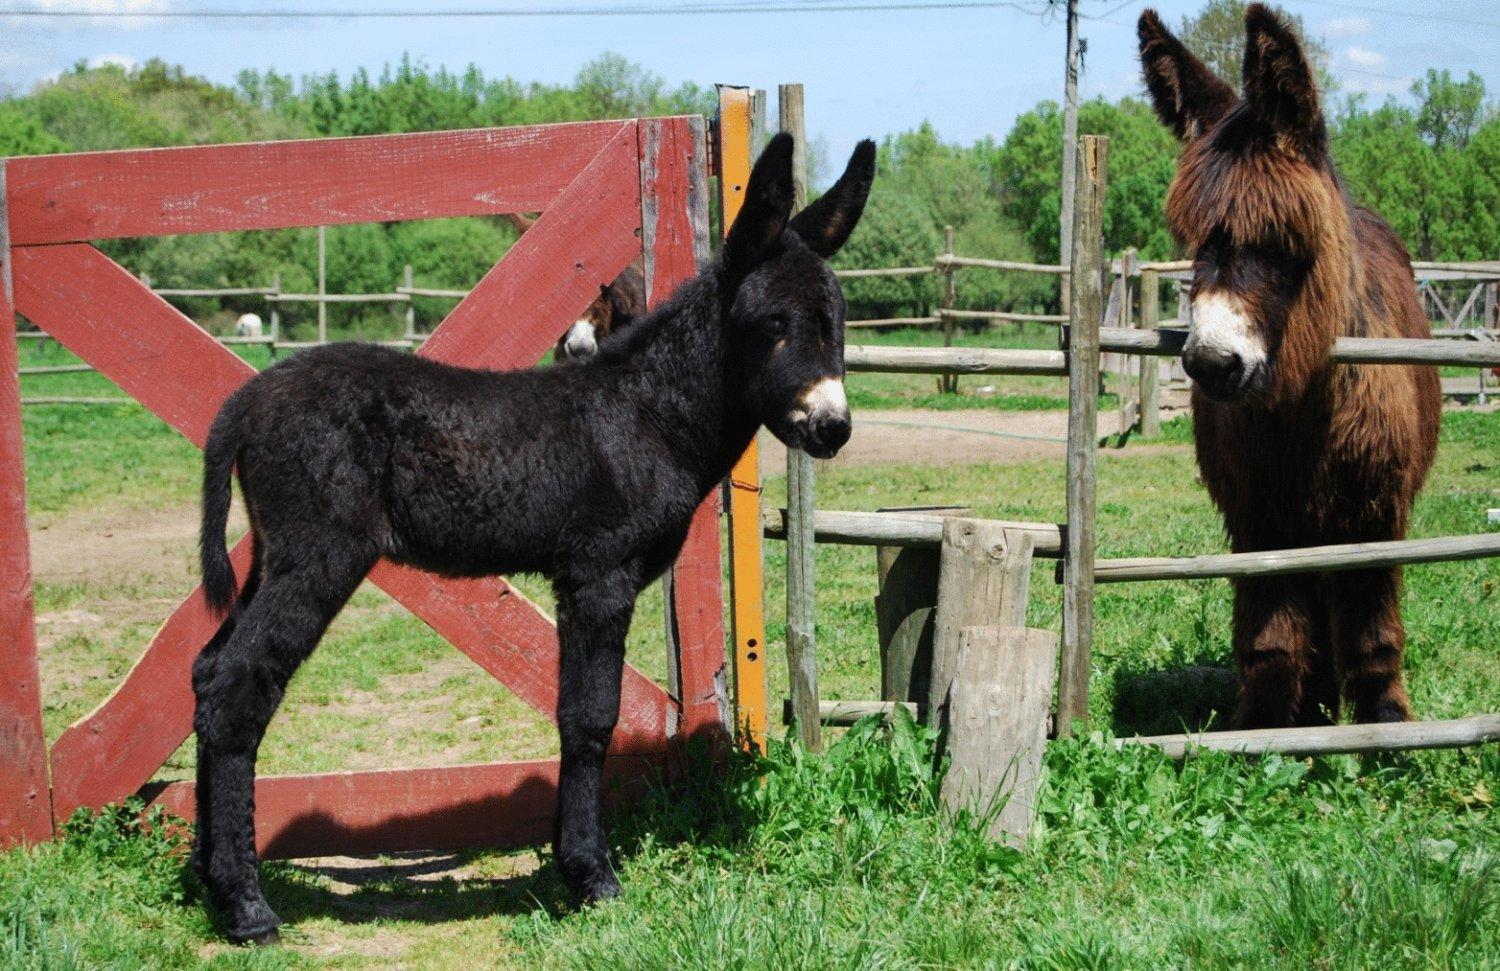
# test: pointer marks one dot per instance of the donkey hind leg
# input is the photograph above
(236, 698)
(592, 622)
(203, 672)
(1273, 649)
(1370, 640)
(1319, 704)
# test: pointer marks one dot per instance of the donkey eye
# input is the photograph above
(775, 325)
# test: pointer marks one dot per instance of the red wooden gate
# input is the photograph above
(606, 190)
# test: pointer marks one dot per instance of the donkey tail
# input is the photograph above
(219, 456)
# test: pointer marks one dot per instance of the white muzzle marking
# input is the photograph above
(580, 340)
(824, 400)
(1221, 328)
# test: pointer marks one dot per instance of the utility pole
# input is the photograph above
(1069, 152)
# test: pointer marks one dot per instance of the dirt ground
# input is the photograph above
(923, 437)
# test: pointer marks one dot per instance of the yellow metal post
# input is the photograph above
(746, 582)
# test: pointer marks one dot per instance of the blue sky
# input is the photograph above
(969, 71)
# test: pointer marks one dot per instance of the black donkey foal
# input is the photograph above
(588, 473)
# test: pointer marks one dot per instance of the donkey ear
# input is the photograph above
(826, 224)
(1188, 97)
(768, 203)
(1279, 83)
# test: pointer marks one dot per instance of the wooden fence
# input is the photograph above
(1083, 341)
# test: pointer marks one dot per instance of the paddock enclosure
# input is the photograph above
(609, 192)
(953, 589)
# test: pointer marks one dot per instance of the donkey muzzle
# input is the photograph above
(821, 419)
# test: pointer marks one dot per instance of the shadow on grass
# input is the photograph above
(700, 803)
(1190, 698)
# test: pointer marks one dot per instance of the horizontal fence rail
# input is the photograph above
(1346, 350)
(1329, 739)
(1307, 559)
(899, 529)
(953, 360)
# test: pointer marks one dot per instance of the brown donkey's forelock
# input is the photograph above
(1259, 191)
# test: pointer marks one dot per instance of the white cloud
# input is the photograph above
(1365, 58)
(1348, 27)
(123, 61)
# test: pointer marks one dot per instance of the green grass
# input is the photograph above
(840, 860)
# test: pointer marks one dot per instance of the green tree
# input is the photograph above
(1142, 156)
(22, 134)
(1450, 110)
(1217, 35)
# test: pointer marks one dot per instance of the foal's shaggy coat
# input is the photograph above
(588, 473)
(1295, 451)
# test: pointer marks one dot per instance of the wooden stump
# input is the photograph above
(997, 725)
(983, 579)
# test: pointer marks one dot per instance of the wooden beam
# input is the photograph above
(675, 232)
(1311, 559)
(842, 714)
(953, 360)
(970, 261)
(1346, 350)
(503, 805)
(274, 185)
(1150, 380)
(747, 585)
(25, 807)
(801, 576)
(923, 530)
(1083, 429)
(1331, 739)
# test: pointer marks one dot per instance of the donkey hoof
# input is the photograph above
(263, 937)
(601, 888)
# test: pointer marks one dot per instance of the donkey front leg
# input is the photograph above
(1370, 641)
(592, 621)
(1274, 633)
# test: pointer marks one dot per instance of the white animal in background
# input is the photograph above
(249, 325)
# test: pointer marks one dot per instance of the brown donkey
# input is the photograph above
(1294, 450)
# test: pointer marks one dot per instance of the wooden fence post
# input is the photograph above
(904, 612)
(275, 312)
(322, 284)
(983, 580)
(1083, 429)
(25, 802)
(1129, 397)
(801, 607)
(948, 383)
(1150, 367)
(411, 305)
(746, 571)
(997, 725)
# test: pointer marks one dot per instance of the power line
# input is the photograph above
(1408, 14)
(772, 6)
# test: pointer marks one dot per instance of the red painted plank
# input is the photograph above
(159, 357)
(517, 312)
(506, 804)
(268, 185)
(25, 811)
(674, 187)
(112, 751)
(504, 633)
